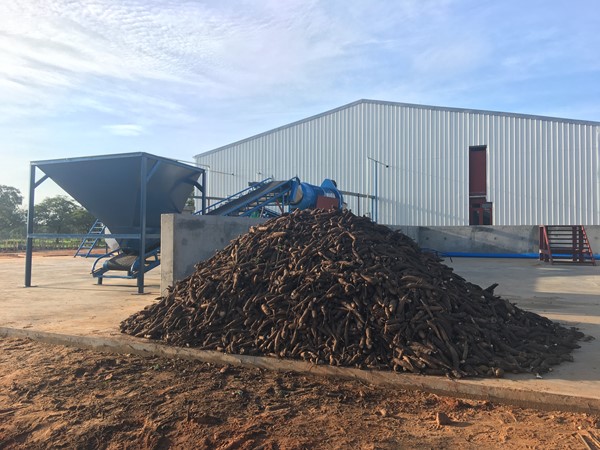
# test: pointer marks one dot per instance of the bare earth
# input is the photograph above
(61, 397)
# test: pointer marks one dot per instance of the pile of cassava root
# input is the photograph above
(330, 287)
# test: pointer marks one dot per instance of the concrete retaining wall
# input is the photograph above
(476, 239)
(516, 240)
(187, 239)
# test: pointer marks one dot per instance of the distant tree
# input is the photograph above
(80, 221)
(61, 215)
(12, 216)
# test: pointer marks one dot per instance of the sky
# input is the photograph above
(176, 78)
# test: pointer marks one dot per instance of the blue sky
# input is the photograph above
(176, 78)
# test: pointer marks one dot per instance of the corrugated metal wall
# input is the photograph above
(540, 170)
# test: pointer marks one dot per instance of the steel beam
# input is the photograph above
(143, 186)
(30, 213)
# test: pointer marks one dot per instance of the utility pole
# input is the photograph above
(375, 199)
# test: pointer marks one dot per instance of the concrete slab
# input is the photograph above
(64, 298)
(67, 307)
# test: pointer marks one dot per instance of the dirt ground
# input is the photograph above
(61, 397)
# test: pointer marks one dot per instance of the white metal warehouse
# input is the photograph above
(407, 164)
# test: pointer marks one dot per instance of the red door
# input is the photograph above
(480, 210)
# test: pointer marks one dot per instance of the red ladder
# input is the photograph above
(565, 244)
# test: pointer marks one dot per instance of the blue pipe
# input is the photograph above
(490, 255)
(497, 255)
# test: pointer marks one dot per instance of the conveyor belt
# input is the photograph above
(120, 262)
(261, 196)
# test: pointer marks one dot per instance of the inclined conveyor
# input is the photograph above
(269, 198)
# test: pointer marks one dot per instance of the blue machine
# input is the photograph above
(305, 196)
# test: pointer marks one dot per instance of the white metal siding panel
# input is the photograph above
(540, 170)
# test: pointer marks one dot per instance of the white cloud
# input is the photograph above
(122, 57)
(62, 52)
(453, 57)
(125, 129)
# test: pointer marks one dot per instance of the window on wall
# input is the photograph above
(480, 210)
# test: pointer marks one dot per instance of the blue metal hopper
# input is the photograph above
(128, 192)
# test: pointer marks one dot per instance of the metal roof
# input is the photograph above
(410, 105)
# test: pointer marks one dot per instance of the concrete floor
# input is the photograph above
(64, 298)
(66, 301)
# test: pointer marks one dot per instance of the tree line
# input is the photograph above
(58, 214)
